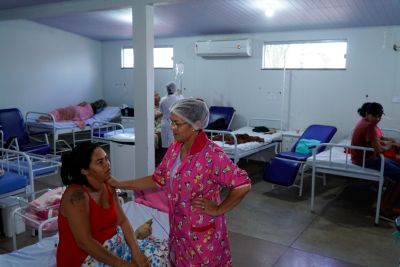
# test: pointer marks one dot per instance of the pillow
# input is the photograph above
(154, 198)
(99, 110)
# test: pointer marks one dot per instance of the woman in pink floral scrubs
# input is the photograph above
(193, 172)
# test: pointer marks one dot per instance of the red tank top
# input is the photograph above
(363, 134)
(103, 224)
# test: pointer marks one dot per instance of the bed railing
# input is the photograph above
(214, 133)
(99, 128)
(346, 168)
(32, 117)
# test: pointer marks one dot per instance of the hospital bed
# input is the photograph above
(21, 169)
(43, 253)
(335, 160)
(56, 128)
(237, 151)
(101, 133)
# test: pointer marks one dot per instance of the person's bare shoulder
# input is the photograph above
(74, 196)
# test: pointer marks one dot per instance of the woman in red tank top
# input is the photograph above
(90, 211)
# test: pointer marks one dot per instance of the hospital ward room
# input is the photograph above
(246, 133)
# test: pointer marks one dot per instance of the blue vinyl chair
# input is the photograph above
(284, 167)
(220, 118)
(15, 134)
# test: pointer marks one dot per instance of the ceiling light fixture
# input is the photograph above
(270, 7)
(269, 12)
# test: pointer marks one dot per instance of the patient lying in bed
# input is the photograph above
(76, 113)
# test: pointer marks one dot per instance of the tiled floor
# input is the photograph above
(274, 227)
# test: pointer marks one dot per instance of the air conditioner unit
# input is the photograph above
(223, 48)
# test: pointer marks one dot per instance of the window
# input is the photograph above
(127, 58)
(305, 55)
(163, 57)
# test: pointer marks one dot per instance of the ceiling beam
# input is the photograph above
(71, 7)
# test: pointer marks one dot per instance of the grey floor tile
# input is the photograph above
(373, 246)
(298, 258)
(254, 252)
(269, 219)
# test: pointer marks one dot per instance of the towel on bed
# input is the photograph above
(156, 250)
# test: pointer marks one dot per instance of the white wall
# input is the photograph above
(316, 96)
(118, 82)
(42, 68)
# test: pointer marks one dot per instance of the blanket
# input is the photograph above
(156, 250)
(240, 138)
(76, 113)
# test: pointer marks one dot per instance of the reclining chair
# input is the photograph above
(284, 167)
(220, 118)
(15, 134)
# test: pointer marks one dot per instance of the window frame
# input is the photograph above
(303, 42)
(129, 47)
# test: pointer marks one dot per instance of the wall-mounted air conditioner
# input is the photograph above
(223, 48)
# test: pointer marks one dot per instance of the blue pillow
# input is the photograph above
(99, 110)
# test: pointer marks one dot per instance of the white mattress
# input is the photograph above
(125, 135)
(43, 253)
(268, 138)
(336, 158)
(107, 114)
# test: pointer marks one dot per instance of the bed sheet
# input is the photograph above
(43, 253)
(337, 158)
(268, 138)
(111, 134)
(107, 114)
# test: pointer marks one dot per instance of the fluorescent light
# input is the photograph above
(269, 12)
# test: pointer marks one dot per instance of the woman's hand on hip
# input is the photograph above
(202, 205)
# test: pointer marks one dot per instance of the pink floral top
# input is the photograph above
(198, 239)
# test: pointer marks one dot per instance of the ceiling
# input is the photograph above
(96, 20)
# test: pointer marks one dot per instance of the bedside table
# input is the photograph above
(289, 138)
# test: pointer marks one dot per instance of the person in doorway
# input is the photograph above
(193, 172)
(166, 102)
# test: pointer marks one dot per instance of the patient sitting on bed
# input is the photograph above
(76, 113)
(390, 146)
(93, 229)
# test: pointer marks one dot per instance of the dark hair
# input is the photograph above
(375, 109)
(98, 105)
(76, 160)
(362, 111)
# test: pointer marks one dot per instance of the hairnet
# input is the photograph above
(171, 88)
(192, 110)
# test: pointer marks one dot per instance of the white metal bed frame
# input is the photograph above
(237, 154)
(55, 132)
(346, 169)
(99, 128)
